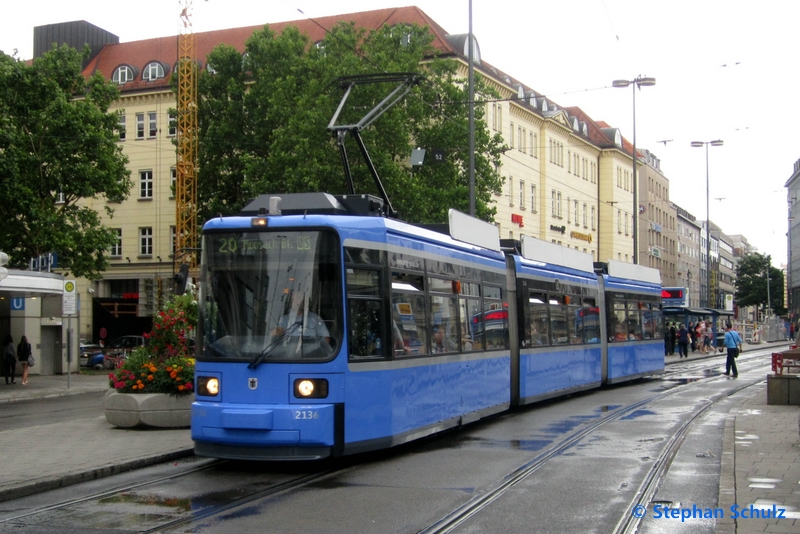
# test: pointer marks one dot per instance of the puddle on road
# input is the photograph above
(636, 414)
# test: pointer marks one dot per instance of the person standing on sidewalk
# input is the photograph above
(733, 343)
(9, 360)
(23, 352)
(683, 342)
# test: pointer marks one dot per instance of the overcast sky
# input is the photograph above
(724, 70)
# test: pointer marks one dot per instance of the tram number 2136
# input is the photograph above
(306, 414)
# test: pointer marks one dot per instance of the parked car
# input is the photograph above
(119, 349)
(91, 356)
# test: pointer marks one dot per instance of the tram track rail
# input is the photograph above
(629, 522)
(153, 485)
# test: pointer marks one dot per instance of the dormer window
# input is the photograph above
(122, 75)
(153, 71)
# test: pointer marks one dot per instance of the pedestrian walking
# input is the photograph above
(9, 361)
(734, 344)
(673, 338)
(23, 354)
(693, 335)
(708, 337)
(683, 341)
(791, 332)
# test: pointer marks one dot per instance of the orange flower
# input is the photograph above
(173, 374)
(150, 378)
(180, 388)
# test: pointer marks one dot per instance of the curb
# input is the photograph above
(68, 479)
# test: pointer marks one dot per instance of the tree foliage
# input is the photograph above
(264, 118)
(58, 146)
(751, 283)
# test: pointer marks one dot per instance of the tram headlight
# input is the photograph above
(310, 388)
(208, 386)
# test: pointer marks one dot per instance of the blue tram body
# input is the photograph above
(325, 333)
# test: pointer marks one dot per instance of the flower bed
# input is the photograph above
(165, 363)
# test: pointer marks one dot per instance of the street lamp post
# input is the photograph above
(640, 81)
(696, 144)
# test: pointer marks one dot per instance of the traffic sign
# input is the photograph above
(70, 298)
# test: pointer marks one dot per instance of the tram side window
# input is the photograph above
(634, 320)
(469, 310)
(573, 311)
(445, 326)
(616, 321)
(365, 328)
(559, 322)
(588, 321)
(408, 315)
(495, 319)
(539, 322)
(657, 320)
(365, 313)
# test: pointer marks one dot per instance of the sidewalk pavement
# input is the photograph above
(79, 450)
(760, 459)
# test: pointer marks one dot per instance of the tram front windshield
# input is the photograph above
(270, 296)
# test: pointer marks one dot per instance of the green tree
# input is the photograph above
(264, 118)
(751, 283)
(58, 146)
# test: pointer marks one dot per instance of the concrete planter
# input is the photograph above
(128, 410)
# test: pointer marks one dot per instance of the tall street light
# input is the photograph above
(640, 81)
(696, 144)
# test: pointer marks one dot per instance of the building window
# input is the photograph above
(534, 200)
(146, 241)
(173, 181)
(172, 128)
(122, 75)
(585, 216)
(172, 238)
(153, 71)
(535, 143)
(510, 191)
(145, 184)
(619, 221)
(558, 202)
(116, 248)
(121, 125)
(553, 207)
(511, 136)
(140, 126)
(530, 142)
(521, 138)
(152, 124)
(569, 218)
(575, 212)
(594, 223)
(522, 194)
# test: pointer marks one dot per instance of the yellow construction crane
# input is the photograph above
(186, 183)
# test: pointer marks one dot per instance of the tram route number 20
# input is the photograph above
(306, 414)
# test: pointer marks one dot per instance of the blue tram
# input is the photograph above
(327, 329)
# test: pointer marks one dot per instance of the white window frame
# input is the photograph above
(116, 248)
(122, 124)
(152, 124)
(146, 184)
(140, 126)
(146, 241)
(153, 71)
(122, 75)
(522, 194)
(534, 200)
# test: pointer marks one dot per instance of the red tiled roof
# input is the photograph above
(138, 54)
